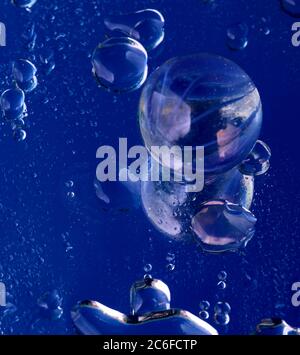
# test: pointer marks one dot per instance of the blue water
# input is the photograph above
(55, 236)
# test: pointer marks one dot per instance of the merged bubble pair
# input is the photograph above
(204, 100)
(120, 64)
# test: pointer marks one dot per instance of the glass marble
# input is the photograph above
(258, 161)
(24, 74)
(146, 26)
(202, 100)
(150, 314)
(221, 225)
(291, 7)
(12, 103)
(120, 64)
(237, 36)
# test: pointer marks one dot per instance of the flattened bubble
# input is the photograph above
(237, 36)
(291, 7)
(146, 26)
(120, 64)
(258, 161)
(221, 226)
(13, 103)
(201, 100)
(24, 3)
(24, 73)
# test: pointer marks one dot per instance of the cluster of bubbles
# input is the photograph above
(120, 63)
(170, 259)
(50, 305)
(209, 101)
(12, 101)
(147, 269)
(221, 309)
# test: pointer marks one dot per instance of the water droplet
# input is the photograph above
(147, 268)
(170, 267)
(120, 64)
(24, 73)
(13, 103)
(291, 7)
(222, 318)
(221, 225)
(204, 305)
(237, 36)
(222, 307)
(258, 161)
(221, 285)
(204, 315)
(24, 3)
(19, 135)
(222, 275)
(145, 26)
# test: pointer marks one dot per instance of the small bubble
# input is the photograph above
(222, 318)
(222, 275)
(147, 268)
(27, 4)
(19, 135)
(222, 285)
(204, 315)
(204, 305)
(13, 103)
(71, 194)
(69, 183)
(147, 277)
(170, 267)
(237, 36)
(222, 307)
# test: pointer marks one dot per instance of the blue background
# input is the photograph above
(70, 117)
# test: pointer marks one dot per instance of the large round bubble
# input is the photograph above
(202, 100)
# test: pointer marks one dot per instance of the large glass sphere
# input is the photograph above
(201, 100)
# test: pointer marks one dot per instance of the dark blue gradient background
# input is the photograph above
(70, 117)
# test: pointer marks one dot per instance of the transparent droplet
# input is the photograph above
(204, 305)
(24, 3)
(24, 73)
(222, 275)
(258, 161)
(204, 315)
(222, 307)
(170, 267)
(120, 64)
(237, 36)
(13, 103)
(145, 26)
(222, 318)
(222, 285)
(221, 225)
(148, 268)
(19, 134)
(291, 7)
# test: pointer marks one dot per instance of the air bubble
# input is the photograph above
(237, 36)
